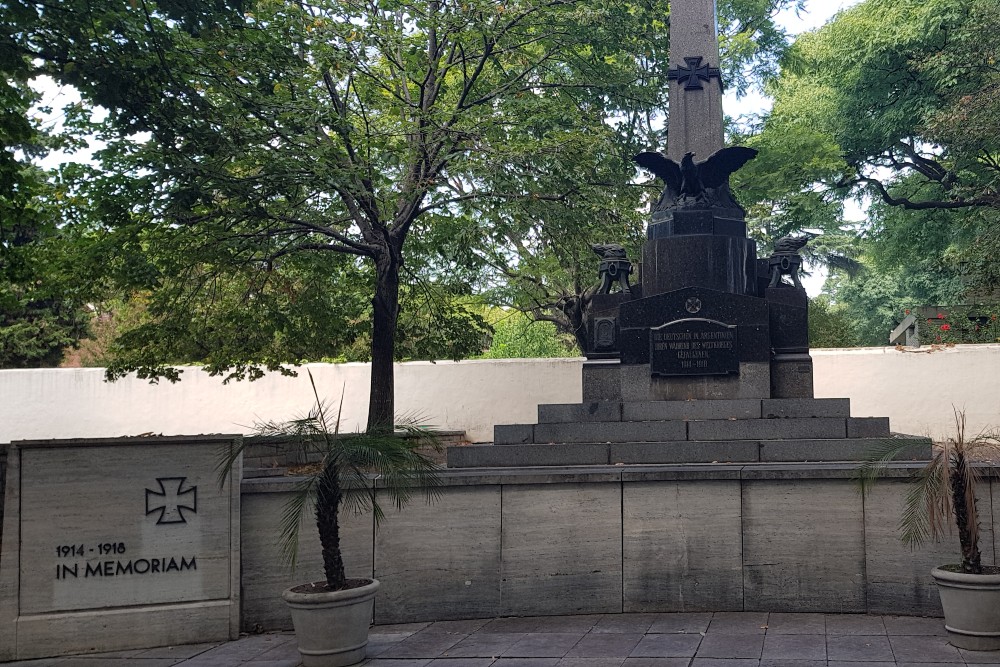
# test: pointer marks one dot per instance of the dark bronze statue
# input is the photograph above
(786, 260)
(615, 267)
(693, 184)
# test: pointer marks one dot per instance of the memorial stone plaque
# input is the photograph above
(693, 347)
(115, 535)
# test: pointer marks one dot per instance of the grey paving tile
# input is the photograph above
(457, 627)
(605, 645)
(794, 647)
(625, 623)
(738, 623)
(246, 648)
(482, 645)
(182, 652)
(854, 624)
(44, 662)
(656, 662)
(118, 662)
(795, 663)
(379, 644)
(929, 664)
(859, 648)
(723, 662)
(796, 624)
(980, 657)
(914, 625)
(731, 646)
(287, 662)
(667, 646)
(525, 662)
(911, 648)
(542, 624)
(863, 663)
(422, 645)
(681, 622)
(393, 628)
(287, 651)
(125, 654)
(543, 645)
(411, 662)
(461, 662)
(590, 662)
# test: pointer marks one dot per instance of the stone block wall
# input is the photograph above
(786, 538)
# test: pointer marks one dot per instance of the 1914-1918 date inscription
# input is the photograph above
(693, 347)
(95, 564)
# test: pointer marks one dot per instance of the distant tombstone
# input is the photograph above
(693, 347)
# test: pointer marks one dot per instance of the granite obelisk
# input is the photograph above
(695, 123)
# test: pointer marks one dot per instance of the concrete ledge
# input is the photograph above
(868, 427)
(785, 408)
(513, 434)
(660, 431)
(484, 456)
(838, 449)
(596, 411)
(687, 410)
(767, 429)
(684, 452)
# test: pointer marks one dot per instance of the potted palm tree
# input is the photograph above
(945, 489)
(331, 617)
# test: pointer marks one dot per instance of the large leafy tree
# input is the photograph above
(245, 139)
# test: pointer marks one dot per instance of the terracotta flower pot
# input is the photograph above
(332, 628)
(971, 608)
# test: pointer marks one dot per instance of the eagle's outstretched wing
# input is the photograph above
(662, 166)
(791, 244)
(716, 169)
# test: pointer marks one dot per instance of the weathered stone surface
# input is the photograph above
(868, 427)
(601, 381)
(898, 576)
(264, 574)
(767, 429)
(440, 561)
(594, 411)
(753, 382)
(792, 375)
(687, 410)
(612, 432)
(682, 546)
(118, 543)
(805, 407)
(803, 546)
(562, 550)
(486, 456)
(513, 434)
(838, 449)
(684, 452)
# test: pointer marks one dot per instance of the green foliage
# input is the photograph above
(943, 491)
(516, 336)
(830, 325)
(348, 465)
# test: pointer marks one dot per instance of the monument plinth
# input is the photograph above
(707, 358)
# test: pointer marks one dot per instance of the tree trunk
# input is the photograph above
(385, 304)
(971, 558)
(328, 497)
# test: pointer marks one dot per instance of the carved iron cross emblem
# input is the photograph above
(694, 73)
(171, 500)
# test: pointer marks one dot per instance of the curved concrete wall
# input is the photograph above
(915, 389)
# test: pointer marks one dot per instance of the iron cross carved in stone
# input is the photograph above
(694, 73)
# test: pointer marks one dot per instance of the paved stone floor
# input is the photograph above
(613, 640)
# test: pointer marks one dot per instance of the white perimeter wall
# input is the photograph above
(915, 389)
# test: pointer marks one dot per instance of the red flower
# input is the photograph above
(945, 327)
(906, 312)
(993, 317)
(940, 316)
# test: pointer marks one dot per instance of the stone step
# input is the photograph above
(677, 430)
(678, 452)
(751, 408)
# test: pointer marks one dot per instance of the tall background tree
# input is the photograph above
(267, 163)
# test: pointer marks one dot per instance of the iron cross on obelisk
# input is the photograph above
(696, 82)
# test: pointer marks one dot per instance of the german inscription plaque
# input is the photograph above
(693, 347)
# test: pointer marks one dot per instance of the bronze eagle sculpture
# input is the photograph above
(695, 180)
